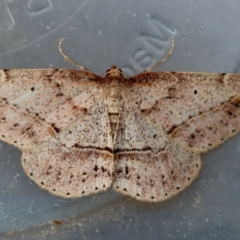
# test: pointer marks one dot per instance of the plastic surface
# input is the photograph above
(132, 35)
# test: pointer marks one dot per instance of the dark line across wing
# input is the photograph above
(147, 149)
(115, 151)
(200, 113)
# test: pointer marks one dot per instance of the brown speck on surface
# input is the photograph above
(59, 223)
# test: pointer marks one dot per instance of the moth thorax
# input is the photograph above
(114, 100)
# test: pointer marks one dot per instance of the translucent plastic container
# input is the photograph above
(132, 35)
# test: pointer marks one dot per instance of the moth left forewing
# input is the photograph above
(52, 98)
(21, 128)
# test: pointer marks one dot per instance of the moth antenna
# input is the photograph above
(69, 59)
(163, 60)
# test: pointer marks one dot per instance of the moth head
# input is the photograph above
(114, 72)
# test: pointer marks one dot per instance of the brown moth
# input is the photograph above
(81, 133)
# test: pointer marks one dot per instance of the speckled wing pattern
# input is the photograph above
(199, 110)
(167, 121)
(148, 164)
(59, 120)
(81, 133)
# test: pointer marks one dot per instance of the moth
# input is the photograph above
(81, 133)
